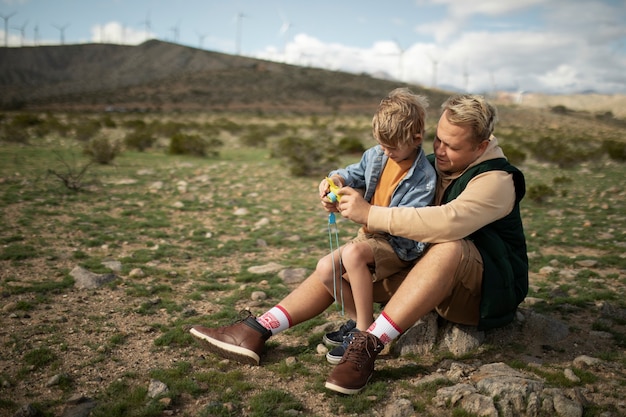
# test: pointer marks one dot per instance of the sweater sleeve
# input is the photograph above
(487, 198)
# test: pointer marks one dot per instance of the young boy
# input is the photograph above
(393, 173)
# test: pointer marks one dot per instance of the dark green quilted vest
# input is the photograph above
(502, 246)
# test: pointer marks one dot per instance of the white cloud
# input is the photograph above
(115, 32)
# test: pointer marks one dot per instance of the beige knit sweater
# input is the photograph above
(487, 197)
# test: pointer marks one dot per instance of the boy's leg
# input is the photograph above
(334, 280)
(357, 258)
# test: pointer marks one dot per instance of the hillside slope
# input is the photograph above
(166, 76)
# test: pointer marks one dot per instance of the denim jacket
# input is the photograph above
(416, 189)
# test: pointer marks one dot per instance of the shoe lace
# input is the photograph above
(362, 346)
(347, 326)
(243, 315)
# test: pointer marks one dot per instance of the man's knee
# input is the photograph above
(446, 250)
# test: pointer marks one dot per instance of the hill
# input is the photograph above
(158, 75)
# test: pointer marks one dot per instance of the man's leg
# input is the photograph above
(428, 284)
(244, 340)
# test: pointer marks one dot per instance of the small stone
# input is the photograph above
(321, 349)
(136, 273)
(258, 295)
(570, 375)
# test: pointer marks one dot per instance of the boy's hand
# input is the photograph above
(352, 205)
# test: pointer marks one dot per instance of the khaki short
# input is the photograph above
(463, 303)
(386, 262)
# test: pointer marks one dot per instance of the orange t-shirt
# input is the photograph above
(389, 180)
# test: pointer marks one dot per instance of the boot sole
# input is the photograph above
(344, 390)
(226, 350)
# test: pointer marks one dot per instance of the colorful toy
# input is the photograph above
(333, 195)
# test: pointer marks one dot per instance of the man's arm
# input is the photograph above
(487, 197)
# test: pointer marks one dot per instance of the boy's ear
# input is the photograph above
(417, 139)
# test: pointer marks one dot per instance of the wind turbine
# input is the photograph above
(6, 27)
(240, 17)
(147, 25)
(36, 35)
(62, 31)
(284, 29)
(201, 37)
(176, 30)
(401, 52)
(22, 30)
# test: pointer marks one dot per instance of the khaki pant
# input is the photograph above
(386, 262)
(462, 305)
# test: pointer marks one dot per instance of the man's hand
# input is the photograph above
(352, 205)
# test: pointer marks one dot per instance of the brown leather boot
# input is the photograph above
(242, 341)
(357, 364)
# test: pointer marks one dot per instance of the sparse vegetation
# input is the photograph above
(102, 149)
(174, 217)
(194, 145)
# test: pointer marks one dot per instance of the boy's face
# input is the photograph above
(402, 151)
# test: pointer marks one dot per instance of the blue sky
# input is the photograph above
(553, 46)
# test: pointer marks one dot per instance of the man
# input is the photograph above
(475, 271)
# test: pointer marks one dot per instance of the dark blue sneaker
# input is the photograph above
(336, 338)
(335, 354)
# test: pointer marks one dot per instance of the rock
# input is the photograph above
(156, 388)
(258, 295)
(79, 406)
(587, 263)
(399, 408)
(461, 340)
(27, 411)
(136, 273)
(419, 339)
(85, 279)
(545, 329)
(113, 265)
(496, 389)
(570, 375)
(261, 223)
(269, 268)
(585, 361)
(156, 186)
(293, 275)
(563, 406)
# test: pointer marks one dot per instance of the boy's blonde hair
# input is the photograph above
(400, 118)
(473, 111)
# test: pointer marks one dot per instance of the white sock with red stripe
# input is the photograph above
(384, 328)
(276, 320)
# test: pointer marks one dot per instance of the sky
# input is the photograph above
(475, 46)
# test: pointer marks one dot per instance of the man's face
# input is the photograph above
(454, 146)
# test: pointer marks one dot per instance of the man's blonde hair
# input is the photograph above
(473, 111)
(400, 118)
